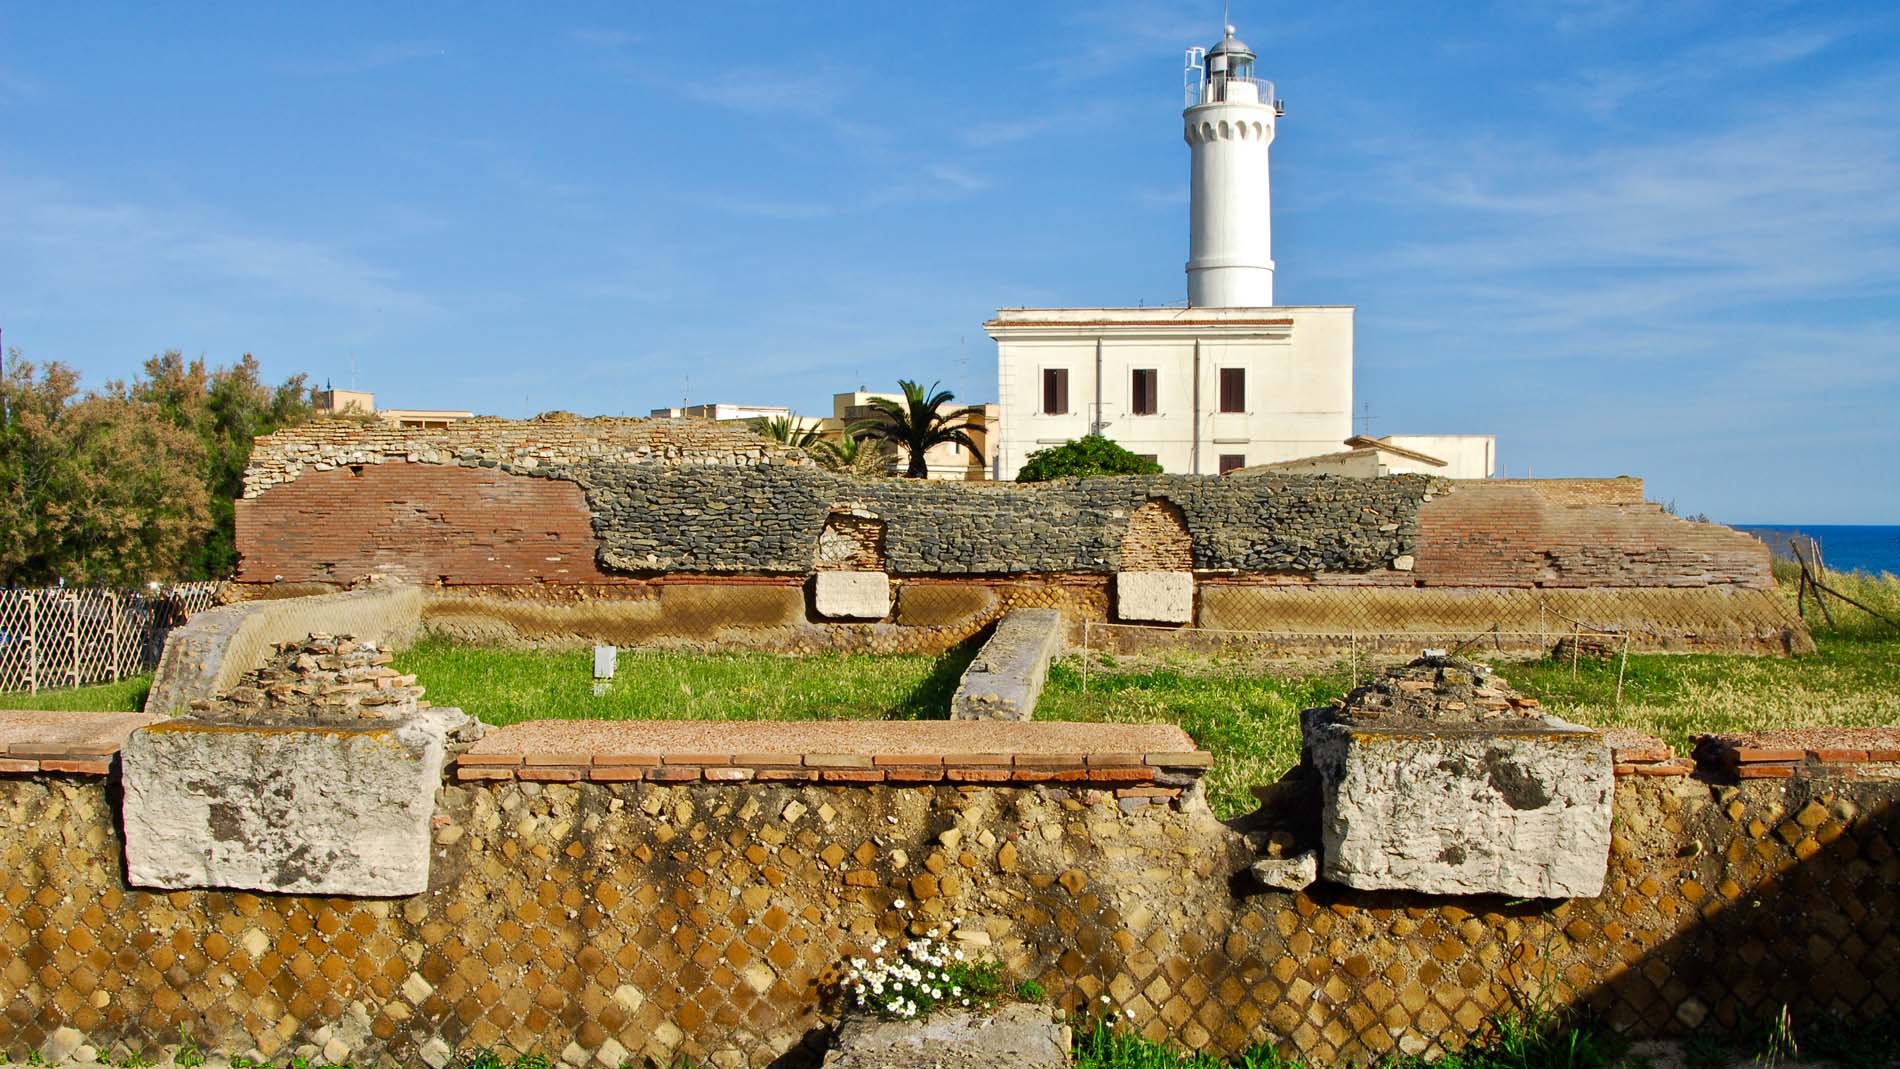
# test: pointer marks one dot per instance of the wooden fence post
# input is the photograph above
(72, 609)
(113, 630)
(32, 642)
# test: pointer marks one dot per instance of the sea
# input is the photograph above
(1844, 548)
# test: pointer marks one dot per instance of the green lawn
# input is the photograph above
(1247, 714)
(125, 696)
(502, 686)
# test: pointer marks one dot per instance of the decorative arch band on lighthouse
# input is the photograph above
(1229, 124)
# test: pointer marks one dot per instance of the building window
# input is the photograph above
(1231, 461)
(1233, 389)
(1146, 395)
(1055, 391)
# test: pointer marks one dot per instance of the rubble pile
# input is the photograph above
(1436, 688)
(323, 677)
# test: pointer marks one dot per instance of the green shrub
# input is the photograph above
(1090, 455)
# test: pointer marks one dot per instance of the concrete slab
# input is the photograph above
(1006, 678)
(89, 734)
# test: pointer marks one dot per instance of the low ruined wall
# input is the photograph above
(704, 920)
(651, 532)
(208, 655)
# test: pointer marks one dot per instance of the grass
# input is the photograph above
(503, 686)
(1247, 716)
(125, 696)
(1522, 1041)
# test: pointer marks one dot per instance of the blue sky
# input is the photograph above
(1657, 239)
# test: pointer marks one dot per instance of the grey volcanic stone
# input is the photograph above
(1006, 678)
(303, 808)
(1020, 1036)
(1438, 779)
(770, 518)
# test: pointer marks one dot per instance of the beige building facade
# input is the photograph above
(1198, 390)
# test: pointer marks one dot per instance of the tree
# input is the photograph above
(1088, 455)
(918, 424)
(224, 408)
(852, 455)
(786, 431)
(100, 489)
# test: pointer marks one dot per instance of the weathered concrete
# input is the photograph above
(1154, 597)
(303, 808)
(1021, 1036)
(1006, 678)
(1437, 778)
(852, 595)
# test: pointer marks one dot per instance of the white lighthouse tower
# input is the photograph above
(1229, 125)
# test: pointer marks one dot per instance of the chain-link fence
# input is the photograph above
(67, 637)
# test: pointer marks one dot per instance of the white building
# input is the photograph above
(1229, 381)
(1198, 390)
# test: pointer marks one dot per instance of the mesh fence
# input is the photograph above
(68, 637)
(1345, 621)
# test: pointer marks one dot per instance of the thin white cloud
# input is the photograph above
(374, 57)
(87, 250)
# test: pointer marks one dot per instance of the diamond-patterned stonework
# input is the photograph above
(701, 922)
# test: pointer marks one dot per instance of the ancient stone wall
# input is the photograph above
(511, 445)
(767, 518)
(704, 921)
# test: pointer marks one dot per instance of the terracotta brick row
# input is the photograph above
(1106, 769)
(78, 765)
(1837, 753)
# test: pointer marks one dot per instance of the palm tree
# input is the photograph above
(852, 454)
(786, 431)
(920, 423)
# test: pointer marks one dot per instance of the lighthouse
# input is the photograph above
(1231, 381)
(1229, 124)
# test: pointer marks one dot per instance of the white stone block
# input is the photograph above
(1519, 809)
(314, 809)
(606, 659)
(852, 595)
(1154, 597)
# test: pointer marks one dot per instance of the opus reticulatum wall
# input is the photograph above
(636, 916)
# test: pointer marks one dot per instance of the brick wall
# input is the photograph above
(1158, 539)
(703, 922)
(419, 522)
(1622, 490)
(1513, 535)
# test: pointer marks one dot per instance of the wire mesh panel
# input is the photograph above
(56, 637)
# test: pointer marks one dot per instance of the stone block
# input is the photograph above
(1020, 1035)
(1295, 873)
(606, 659)
(1516, 808)
(1154, 597)
(297, 808)
(852, 595)
(1006, 678)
